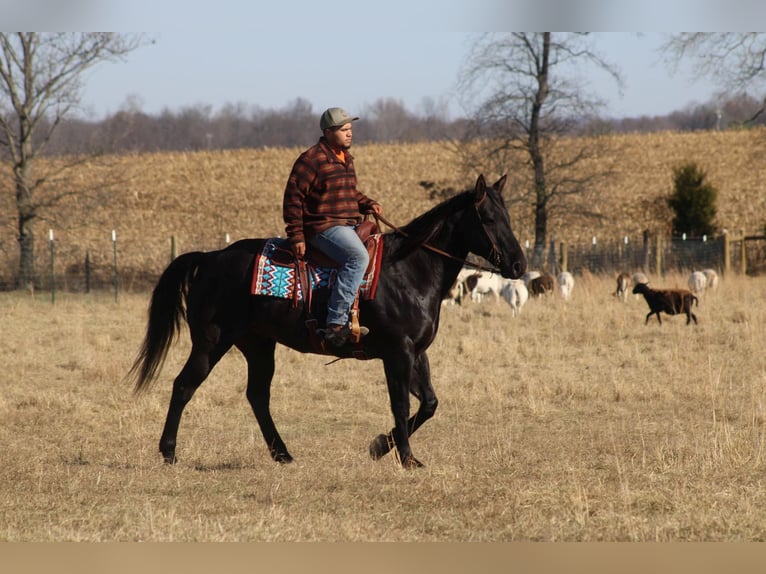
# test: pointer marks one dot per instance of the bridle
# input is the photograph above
(494, 256)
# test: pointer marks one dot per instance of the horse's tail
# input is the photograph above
(165, 313)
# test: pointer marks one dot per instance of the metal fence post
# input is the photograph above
(114, 249)
(53, 274)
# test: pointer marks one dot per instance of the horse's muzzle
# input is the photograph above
(517, 269)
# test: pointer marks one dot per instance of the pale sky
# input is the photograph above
(268, 54)
(184, 68)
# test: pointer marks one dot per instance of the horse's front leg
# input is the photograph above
(419, 385)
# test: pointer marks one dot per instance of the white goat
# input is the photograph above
(639, 277)
(487, 284)
(712, 278)
(697, 283)
(515, 293)
(566, 284)
(623, 287)
(459, 289)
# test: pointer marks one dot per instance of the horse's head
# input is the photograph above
(494, 239)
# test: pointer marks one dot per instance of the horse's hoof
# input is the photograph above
(169, 458)
(379, 447)
(411, 463)
(282, 457)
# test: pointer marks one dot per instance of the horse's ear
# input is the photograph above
(500, 184)
(481, 188)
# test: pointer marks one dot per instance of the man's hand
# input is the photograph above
(299, 249)
(376, 208)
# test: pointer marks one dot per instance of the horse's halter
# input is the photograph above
(494, 256)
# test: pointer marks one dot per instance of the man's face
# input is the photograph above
(340, 138)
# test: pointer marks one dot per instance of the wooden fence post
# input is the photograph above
(658, 256)
(87, 271)
(646, 252)
(564, 256)
(726, 254)
(552, 257)
(743, 253)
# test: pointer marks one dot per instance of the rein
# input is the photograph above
(465, 262)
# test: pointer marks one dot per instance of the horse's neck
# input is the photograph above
(447, 265)
(424, 246)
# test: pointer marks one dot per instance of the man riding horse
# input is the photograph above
(321, 207)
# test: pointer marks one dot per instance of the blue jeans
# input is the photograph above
(342, 244)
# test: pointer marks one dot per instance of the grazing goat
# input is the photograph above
(670, 301)
(623, 284)
(697, 283)
(487, 284)
(541, 285)
(465, 282)
(515, 293)
(639, 277)
(528, 276)
(566, 284)
(712, 278)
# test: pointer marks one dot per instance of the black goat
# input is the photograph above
(670, 301)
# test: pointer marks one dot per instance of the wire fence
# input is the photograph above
(59, 270)
(659, 255)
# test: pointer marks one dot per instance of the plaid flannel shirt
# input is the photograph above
(321, 193)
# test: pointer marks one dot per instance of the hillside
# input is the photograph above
(200, 197)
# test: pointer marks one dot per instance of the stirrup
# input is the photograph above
(340, 335)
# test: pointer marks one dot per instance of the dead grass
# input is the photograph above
(573, 422)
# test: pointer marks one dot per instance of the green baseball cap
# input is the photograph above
(335, 117)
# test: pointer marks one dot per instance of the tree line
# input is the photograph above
(238, 126)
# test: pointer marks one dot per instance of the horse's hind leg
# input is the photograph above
(421, 388)
(260, 370)
(199, 364)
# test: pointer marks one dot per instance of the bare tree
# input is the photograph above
(735, 60)
(389, 120)
(40, 83)
(526, 95)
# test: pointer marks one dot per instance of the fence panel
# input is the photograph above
(685, 255)
(76, 269)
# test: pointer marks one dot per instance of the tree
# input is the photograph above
(530, 96)
(40, 82)
(693, 202)
(735, 60)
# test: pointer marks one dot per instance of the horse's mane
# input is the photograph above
(425, 226)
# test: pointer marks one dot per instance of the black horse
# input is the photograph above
(420, 262)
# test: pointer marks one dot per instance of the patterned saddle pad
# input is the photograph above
(275, 273)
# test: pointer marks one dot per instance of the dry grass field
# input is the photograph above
(572, 422)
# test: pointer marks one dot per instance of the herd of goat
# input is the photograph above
(476, 285)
